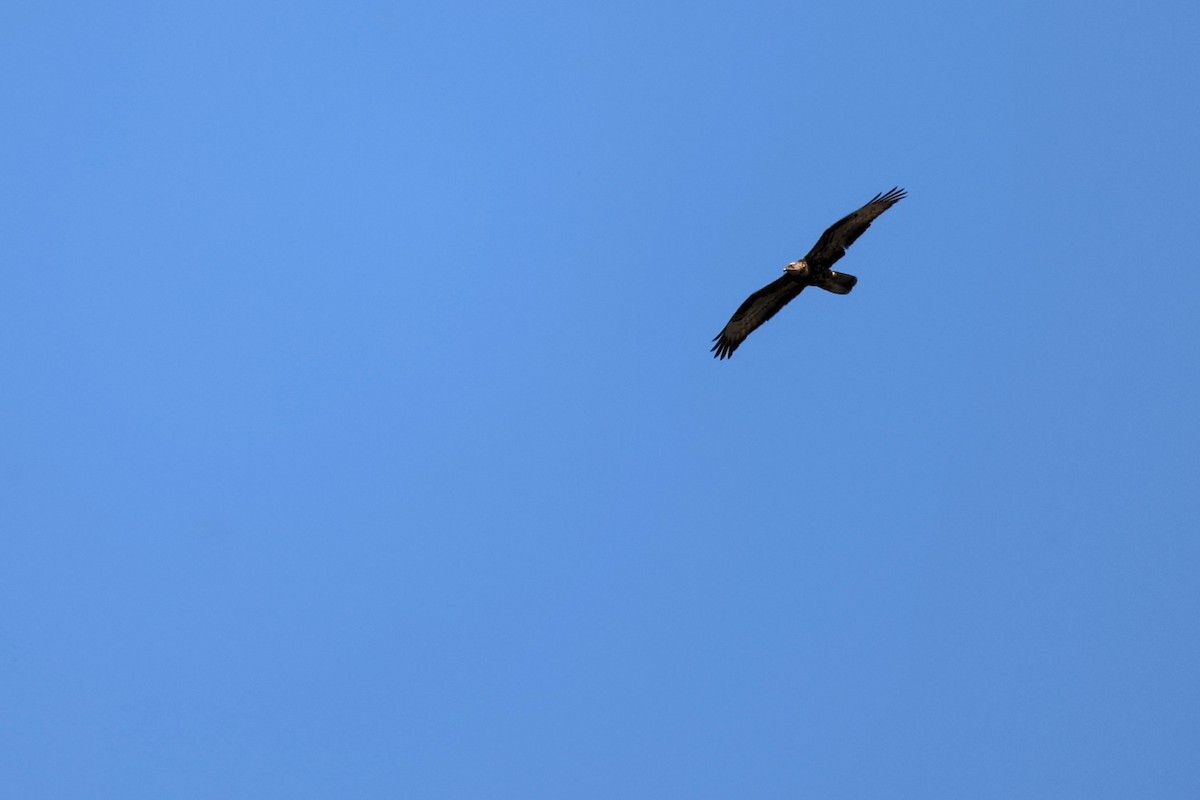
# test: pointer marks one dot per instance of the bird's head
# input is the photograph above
(800, 267)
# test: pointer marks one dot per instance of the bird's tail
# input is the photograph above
(838, 283)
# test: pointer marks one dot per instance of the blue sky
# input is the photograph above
(360, 436)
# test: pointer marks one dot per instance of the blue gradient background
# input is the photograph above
(359, 435)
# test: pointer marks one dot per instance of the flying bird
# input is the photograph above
(812, 270)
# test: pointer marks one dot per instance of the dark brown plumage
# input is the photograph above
(812, 270)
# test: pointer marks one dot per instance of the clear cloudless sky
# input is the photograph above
(359, 435)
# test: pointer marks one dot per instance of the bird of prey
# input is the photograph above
(812, 270)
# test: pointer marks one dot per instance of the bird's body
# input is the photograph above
(812, 270)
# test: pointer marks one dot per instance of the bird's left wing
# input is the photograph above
(843, 233)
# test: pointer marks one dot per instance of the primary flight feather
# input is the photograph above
(812, 270)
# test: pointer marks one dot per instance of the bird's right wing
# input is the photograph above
(758, 308)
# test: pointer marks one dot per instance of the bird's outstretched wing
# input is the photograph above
(841, 234)
(758, 308)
